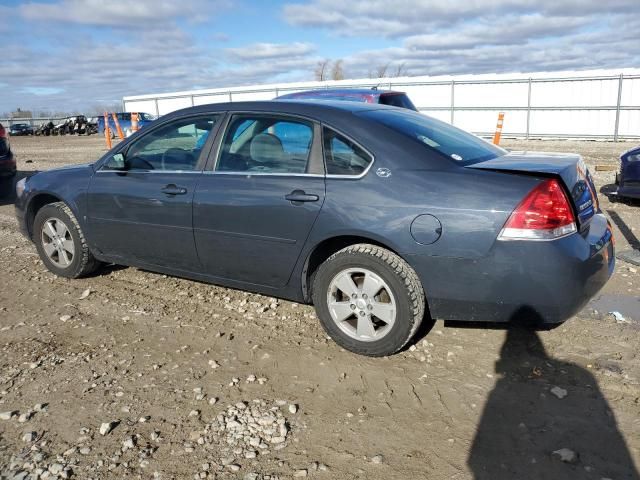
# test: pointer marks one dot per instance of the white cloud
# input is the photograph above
(376, 18)
(115, 13)
(263, 51)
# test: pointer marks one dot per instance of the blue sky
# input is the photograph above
(66, 55)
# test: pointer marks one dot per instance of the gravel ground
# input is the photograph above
(132, 374)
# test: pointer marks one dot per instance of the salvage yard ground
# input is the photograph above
(163, 363)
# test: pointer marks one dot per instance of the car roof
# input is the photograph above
(311, 107)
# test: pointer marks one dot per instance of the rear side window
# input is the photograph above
(451, 141)
(266, 144)
(397, 100)
(342, 156)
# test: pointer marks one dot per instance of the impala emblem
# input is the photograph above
(383, 172)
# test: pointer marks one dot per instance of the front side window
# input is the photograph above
(266, 144)
(174, 146)
(342, 156)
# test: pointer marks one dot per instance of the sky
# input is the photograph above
(76, 55)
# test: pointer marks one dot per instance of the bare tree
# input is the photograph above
(401, 70)
(322, 70)
(381, 70)
(337, 72)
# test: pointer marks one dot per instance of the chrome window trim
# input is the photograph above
(346, 177)
(263, 174)
(150, 171)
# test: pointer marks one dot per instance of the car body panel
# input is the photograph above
(254, 226)
(571, 168)
(246, 235)
(628, 178)
(130, 217)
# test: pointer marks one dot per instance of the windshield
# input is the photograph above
(446, 139)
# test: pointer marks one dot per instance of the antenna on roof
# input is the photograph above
(376, 87)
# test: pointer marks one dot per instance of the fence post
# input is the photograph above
(192, 102)
(230, 97)
(528, 108)
(157, 109)
(453, 103)
(615, 132)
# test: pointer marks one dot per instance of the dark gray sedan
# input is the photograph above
(379, 216)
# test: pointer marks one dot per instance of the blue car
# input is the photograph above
(628, 179)
(366, 95)
(378, 216)
(124, 119)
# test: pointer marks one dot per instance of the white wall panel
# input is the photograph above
(572, 122)
(426, 96)
(563, 103)
(491, 95)
(145, 106)
(205, 99)
(168, 105)
(485, 121)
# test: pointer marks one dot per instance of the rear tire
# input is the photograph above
(368, 299)
(60, 242)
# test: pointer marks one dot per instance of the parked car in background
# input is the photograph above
(367, 95)
(7, 161)
(124, 119)
(379, 216)
(628, 178)
(18, 129)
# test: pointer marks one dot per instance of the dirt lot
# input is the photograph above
(147, 355)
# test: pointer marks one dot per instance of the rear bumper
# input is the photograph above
(550, 281)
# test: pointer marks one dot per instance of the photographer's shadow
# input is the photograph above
(524, 423)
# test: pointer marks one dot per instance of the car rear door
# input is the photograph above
(257, 202)
(142, 213)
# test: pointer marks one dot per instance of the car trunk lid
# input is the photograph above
(569, 167)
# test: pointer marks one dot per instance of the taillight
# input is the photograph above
(3, 132)
(544, 214)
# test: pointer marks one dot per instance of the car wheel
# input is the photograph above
(60, 242)
(368, 299)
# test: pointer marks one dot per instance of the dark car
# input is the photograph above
(7, 162)
(366, 95)
(628, 179)
(21, 129)
(379, 216)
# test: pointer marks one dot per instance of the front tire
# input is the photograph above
(368, 299)
(60, 242)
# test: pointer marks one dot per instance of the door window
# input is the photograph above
(265, 144)
(342, 156)
(173, 146)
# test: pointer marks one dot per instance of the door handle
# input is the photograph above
(172, 189)
(301, 196)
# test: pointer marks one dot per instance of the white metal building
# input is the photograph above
(584, 104)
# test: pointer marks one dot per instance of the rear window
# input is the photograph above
(446, 139)
(397, 100)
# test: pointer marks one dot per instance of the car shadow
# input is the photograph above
(610, 191)
(528, 432)
(8, 186)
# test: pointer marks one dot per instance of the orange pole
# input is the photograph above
(117, 124)
(496, 136)
(134, 122)
(107, 132)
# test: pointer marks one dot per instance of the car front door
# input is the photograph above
(253, 210)
(140, 200)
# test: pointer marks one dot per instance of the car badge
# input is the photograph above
(383, 172)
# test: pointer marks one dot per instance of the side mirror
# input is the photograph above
(116, 162)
